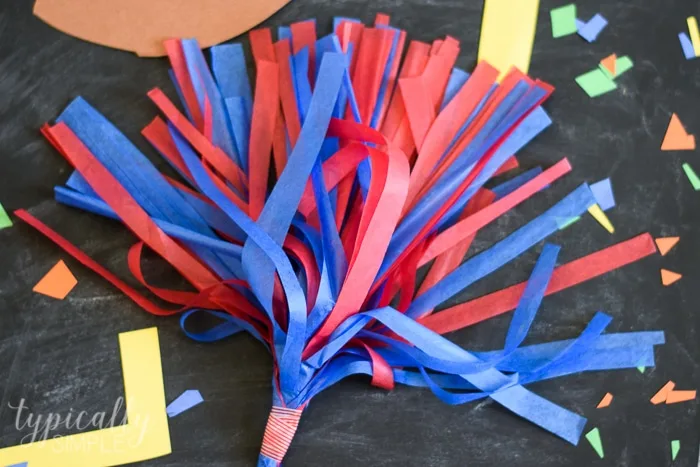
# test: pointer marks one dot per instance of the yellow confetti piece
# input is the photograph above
(694, 34)
(602, 219)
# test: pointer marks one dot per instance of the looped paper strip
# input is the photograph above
(378, 170)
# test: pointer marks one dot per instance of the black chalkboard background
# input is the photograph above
(59, 355)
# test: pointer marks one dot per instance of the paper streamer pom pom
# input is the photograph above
(378, 170)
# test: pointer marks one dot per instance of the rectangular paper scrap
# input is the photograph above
(675, 447)
(694, 34)
(563, 20)
(603, 194)
(674, 397)
(593, 28)
(686, 45)
(185, 401)
(692, 176)
(596, 83)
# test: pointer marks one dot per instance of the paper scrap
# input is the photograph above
(22, 464)
(623, 64)
(609, 65)
(5, 220)
(563, 20)
(669, 277)
(145, 436)
(564, 223)
(603, 194)
(694, 34)
(593, 437)
(508, 33)
(596, 83)
(593, 28)
(674, 397)
(579, 24)
(676, 138)
(686, 45)
(675, 447)
(185, 401)
(57, 283)
(641, 369)
(665, 244)
(662, 394)
(605, 401)
(692, 176)
(600, 216)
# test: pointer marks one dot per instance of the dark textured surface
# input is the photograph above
(60, 355)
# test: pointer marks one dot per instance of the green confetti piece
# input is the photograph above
(596, 83)
(641, 369)
(622, 64)
(692, 176)
(563, 20)
(4, 218)
(564, 223)
(593, 437)
(675, 447)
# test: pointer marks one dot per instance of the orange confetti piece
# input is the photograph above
(677, 139)
(660, 397)
(680, 396)
(610, 63)
(605, 401)
(664, 244)
(669, 277)
(57, 283)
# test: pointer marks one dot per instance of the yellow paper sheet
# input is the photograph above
(146, 435)
(508, 33)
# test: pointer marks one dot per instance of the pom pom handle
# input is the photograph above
(280, 430)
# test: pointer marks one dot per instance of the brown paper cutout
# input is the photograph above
(141, 26)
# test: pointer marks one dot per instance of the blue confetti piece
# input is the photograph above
(186, 401)
(592, 28)
(602, 191)
(687, 45)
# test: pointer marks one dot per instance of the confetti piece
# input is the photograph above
(694, 34)
(676, 138)
(185, 401)
(563, 20)
(57, 283)
(692, 176)
(579, 24)
(675, 397)
(641, 369)
(5, 220)
(669, 277)
(593, 28)
(564, 223)
(609, 65)
(596, 83)
(686, 45)
(602, 219)
(622, 65)
(508, 33)
(593, 437)
(605, 401)
(662, 394)
(675, 447)
(603, 194)
(664, 244)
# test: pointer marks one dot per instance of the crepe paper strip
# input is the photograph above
(665, 244)
(183, 80)
(675, 449)
(141, 28)
(184, 402)
(565, 276)
(57, 283)
(669, 277)
(605, 401)
(609, 64)
(593, 437)
(145, 436)
(419, 108)
(592, 28)
(677, 138)
(673, 397)
(600, 216)
(563, 20)
(595, 83)
(603, 193)
(508, 33)
(5, 220)
(641, 369)
(662, 394)
(692, 176)
(304, 36)
(262, 128)
(286, 90)
(694, 34)
(686, 46)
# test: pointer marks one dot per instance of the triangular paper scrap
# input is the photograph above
(57, 283)
(605, 401)
(609, 64)
(623, 64)
(602, 219)
(641, 369)
(662, 394)
(593, 437)
(5, 220)
(675, 447)
(186, 401)
(664, 244)
(669, 277)
(677, 139)
(674, 397)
